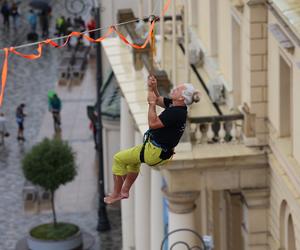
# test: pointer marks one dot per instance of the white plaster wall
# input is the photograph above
(111, 145)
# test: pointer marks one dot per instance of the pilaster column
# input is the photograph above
(255, 217)
(255, 88)
(127, 206)
(142, 205)
(162, 35)
(141, 8)
(186, 41)
(174, 43)
(157, 224)
(181, 215)
(150, 7)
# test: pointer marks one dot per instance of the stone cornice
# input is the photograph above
(255, 2)
(237, 161)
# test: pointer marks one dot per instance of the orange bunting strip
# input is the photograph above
(4, 74)
(166, 7)
(30, 56)
(123, 38)
(150, 38)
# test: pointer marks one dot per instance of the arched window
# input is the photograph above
(291, 241)
(282, 225)
(287, 233)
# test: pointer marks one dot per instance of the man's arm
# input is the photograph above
(153, 120)
(152, 84)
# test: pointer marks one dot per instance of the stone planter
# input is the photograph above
(74, 242)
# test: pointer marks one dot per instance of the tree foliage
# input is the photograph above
(49, 164)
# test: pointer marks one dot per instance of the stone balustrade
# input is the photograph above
(217, 129)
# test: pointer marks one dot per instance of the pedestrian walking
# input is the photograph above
(3, 129)
(165, 131)
(32, 19)
(54, 103)
(60, 25)
(91, 25)
(44, 20)
(5, 11)
(20, 117)
(15, 15)
(69, 26)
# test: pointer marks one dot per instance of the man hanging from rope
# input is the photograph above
(160, 140)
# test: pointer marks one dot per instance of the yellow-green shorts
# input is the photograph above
(128, 160)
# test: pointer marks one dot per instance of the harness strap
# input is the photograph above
(142, 153)
(145, 139)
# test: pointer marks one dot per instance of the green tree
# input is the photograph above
(49, 164)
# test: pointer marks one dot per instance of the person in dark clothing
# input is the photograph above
(165, 131)
(91, 25)
(5, 11)
(55, 108)
(32, 19)
(15, 14)
(69, 26)
(20, 116)
(44, 20)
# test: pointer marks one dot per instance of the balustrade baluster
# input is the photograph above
(238, 132)
(198, 134)
(233, 132)
(222, 132)
(210, 133)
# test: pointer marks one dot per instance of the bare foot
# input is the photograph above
(111, 199)
(125, 195)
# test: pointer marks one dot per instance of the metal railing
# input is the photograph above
(202, 246)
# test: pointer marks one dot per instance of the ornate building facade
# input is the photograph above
(236, 173)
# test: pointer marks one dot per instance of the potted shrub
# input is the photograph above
(49, 164)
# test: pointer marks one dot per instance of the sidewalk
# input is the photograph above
(81, 194)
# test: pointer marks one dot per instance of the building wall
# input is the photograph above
(224, 40)
(261, 91)
(274, 93)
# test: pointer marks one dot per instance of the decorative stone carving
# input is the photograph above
(181, 202)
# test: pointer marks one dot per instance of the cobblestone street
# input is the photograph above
(28, 82)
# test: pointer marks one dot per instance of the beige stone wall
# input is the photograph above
(292, 58)
(282, 190)
(225, 40)
(204, 22)
(261, 92)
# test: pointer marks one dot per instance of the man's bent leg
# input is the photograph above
(126, 160)
(130, 179)
(116, 195)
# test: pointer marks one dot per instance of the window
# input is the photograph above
(285, 98)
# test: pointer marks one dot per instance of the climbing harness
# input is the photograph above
(165, 152)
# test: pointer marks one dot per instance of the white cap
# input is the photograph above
(190, 94)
